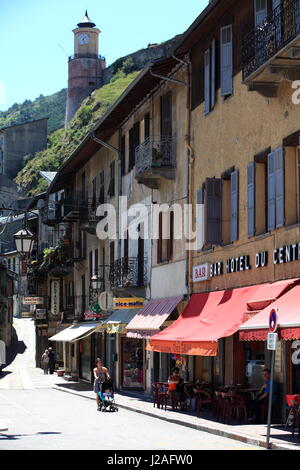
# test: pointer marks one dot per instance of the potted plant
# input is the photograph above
(156, 157)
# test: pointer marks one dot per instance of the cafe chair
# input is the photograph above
(203, 398)
(218, 406)
(155, 395)
(293, 404)
(238, 408)
(163, 395)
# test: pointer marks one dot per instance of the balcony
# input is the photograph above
(71, 206)
(271, 51)
(126, 273)
(88, 217)
(52, 213)
(155, 159)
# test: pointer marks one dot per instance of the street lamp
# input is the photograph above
(96, 282)
(24, 242)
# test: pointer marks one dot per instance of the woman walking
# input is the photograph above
(45, 361)
(100, 375)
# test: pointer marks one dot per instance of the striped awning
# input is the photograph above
(150, 318)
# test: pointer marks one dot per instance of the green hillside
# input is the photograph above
(52, 106)
(63, 142)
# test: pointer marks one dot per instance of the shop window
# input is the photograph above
(132, 363)
(166, 237)
(254, 363)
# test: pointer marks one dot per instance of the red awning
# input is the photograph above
(256, 329)
(211, 316)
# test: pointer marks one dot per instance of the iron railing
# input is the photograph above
(52, 213)
(155, 152)
(88, 211)
(264, 41)
(128, 272)
(74, 202)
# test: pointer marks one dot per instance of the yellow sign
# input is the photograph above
(33, 300)
(130, 302)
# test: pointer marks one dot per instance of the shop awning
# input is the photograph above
(288, 307)
(211, 316)
(119, 319)
(77, 332)
(149, 319)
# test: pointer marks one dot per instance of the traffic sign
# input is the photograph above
(272, 339)
(273, 320)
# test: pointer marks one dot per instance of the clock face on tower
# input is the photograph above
(83, 39)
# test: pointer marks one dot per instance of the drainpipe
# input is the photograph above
(189, 152)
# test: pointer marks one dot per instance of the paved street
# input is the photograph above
(39, 417)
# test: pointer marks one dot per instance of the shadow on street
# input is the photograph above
(14, 437)
(17, 347)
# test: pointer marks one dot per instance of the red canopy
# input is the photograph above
(214, 315)
(288, 319)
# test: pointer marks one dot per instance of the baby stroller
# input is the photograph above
(107, 399)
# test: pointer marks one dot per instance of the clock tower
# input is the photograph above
(85, 66)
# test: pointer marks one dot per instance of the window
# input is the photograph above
(91, 264)
(146, 126)
(221, 208)
(166, 115)
(111, 188)
(101, 187)
(83, 299)
(209, 77)
(266, 178)
(260, 11)
(226, 61)
(94, 193)
(134, 141)
(165, 241)
(123, 155)
(82, 244)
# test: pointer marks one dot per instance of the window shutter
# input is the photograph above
(213, 211)
(213, 75)
(279, 186)
(207, 81)
(234, 178)
(166, 115)
(226, 60)
(271, 192)
(260, 11)
(200, 219)
(251, 198)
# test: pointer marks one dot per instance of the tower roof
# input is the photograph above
(86, 22)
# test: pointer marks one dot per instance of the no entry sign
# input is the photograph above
(273, 319)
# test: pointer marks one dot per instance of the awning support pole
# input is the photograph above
(270, 400)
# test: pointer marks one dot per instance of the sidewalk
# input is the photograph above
(253, 434)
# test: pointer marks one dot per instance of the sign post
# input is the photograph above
(272, 339)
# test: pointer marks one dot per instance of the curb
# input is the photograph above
(200, 427)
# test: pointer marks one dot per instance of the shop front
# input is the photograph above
(208, 330)
(156, 315)
(253, 334)
(126, 357)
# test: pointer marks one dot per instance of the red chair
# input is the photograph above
(219, 406)
(155, 395)
(227, 408)
(163, 395)
(203, 398)
(238, 408)
(293, 403)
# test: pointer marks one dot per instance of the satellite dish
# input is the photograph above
(40, 204)
(106, 300)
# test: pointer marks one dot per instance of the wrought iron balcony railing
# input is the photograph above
(52, 213)
(155, 153)
(264, 41)
(128, 272)
(88, 212)
(72, 204)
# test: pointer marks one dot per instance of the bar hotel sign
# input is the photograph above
(284, 254)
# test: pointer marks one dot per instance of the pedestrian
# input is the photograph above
(2, 356)
(262, 397)
(45, 361)
(52, 360)
(101, 374)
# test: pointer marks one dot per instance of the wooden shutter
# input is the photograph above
(226, 60)
(159, 241)
(213, 75)
(207, 95)
(171, 239)
(279, 186)
(200, 219)
(260, 11)
(166, 114)
(123, 154)
(271, 192)
(213, 211)
(234, 226)
(251, 198)
(131, 150)
(101, 187)
(146, 126)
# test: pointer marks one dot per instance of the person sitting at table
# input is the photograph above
(262, 397)
(176, 386)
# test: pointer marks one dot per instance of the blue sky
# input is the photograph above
(36, 37)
